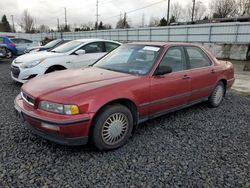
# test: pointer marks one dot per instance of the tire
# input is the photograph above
(217, 96)
(9, 53)
(112, 127)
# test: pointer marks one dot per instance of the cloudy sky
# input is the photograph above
(84, 11)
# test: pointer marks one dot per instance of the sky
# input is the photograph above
(84, 11)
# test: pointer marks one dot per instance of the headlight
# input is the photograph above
(59, 108)
(31, 64)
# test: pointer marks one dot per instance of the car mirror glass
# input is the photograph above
(161, 70)
(80, 52)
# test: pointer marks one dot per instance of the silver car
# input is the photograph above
(23, 44)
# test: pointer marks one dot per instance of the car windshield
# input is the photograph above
(131, 59)
(67, 47)
(52, 43)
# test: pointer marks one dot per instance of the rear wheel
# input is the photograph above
(112, 127)
(9, 53)
(217, 96)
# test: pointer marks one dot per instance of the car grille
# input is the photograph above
(15, 71)
(28, 99)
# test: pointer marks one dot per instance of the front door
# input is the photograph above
(171, 90)
(93, 52)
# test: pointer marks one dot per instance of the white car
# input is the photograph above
(71, 55)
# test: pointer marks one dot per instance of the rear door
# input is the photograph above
(94, 51)
(171, 90)
(202, 73)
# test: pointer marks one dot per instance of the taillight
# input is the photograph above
(13, 44)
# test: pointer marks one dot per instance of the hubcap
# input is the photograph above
(115, 128)
(218, 94)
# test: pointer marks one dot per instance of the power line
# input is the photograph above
(131, 11)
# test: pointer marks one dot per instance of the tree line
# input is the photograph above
(194, 11)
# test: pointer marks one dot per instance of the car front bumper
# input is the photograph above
(23, 75)
(63, 131)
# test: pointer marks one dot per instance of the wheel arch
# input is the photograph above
(55, 67)
(224, 81)
(123, 101)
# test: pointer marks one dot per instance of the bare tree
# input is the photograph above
(122, 22)
(44, 28)
(27, 22)
(223, 8)
(243, 7)
(197, 12)
(176, 10)
(153, 22)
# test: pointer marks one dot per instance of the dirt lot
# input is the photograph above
(194, 147)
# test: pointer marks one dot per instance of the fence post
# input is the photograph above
(210, 33)
(168, 28)
(236, 33)
(127, 34)
(138, 34)
(150, 34)
(187, 34)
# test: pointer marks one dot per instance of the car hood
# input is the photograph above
(36, 56)
(74, 81)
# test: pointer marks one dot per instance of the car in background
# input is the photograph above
(71, 55)
(132, 84)
(23, 44)
(10, 46)
(49, 46)
(16, 46)
(3, 50)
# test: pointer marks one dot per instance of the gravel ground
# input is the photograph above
(194, 147)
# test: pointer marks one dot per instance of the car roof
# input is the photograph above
(163, 44)
(94, 40)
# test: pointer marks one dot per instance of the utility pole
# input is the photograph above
(58, 25)
(193, 11)
(168, 11)
(97, 13)
(65, 15)
(13, 26)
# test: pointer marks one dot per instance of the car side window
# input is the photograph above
(197, 58)
(110, 46)
(27, 41)
(17, 41)
(175, 59)
(95, 47)
(1, 40)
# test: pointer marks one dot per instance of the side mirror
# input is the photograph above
(80, 52)
(161, 70)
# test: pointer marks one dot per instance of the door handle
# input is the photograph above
(68, 62)
(212, 71)
(185, 77)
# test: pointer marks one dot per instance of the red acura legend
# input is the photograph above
(134, 83)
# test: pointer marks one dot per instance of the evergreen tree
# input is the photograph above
(163, 22)
(172, 19)
(5, 24)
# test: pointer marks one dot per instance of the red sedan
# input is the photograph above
(134, 83)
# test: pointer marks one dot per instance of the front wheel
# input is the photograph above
(217, 96)
(112, 127)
